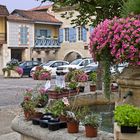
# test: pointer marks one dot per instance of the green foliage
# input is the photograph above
(28, 106)
(102, 9)
(58, 89)
(73, 85)
(77, 113)
(92, 120)
(127, 115)
(93, 77)
(130, 7)
(57, 108)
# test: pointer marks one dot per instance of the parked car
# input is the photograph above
(52, 66)
(89, 69)
(28, 65)
(76, 64)
(118, 68)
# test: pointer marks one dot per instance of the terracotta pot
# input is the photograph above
(73, 127)
(37, 115)
(92, 87)
(28, 115)
(63, 118)
(90, 131)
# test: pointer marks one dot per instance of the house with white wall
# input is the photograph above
(32, 35)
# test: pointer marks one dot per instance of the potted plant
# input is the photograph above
(41, 74)
(74, 116)
(127, 117)
(12, 69)
(91, 123)
(82, 77)
(93, 78)
(42, 98)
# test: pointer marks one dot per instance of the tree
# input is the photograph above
(131, 7)
(102, 9)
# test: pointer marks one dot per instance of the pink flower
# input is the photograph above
(65, 101)
(120, 36)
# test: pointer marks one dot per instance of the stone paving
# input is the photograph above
(11, 95)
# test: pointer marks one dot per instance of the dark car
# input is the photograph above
(28, 65)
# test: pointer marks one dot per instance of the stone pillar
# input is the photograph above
(129, 80)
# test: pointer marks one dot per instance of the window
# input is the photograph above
(43, 33)
(23, 35)
(80, 34)
(66, 34)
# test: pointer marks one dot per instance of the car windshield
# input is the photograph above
(22, 64)
(76, 62)
(49, 63)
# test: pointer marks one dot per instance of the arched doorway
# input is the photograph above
(72, 56)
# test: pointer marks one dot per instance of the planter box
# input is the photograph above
(58, 95)
(128, 129)
(13, 74)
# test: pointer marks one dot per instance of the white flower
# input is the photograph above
(65, 101)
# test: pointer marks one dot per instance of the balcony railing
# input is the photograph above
(3, 37)
(46, 42)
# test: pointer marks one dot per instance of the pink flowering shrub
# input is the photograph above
(41, 74)
(83, 77)
(120, 36)
(19, 70)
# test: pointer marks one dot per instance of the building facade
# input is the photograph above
(42, 34)
(3, 36)
(32, 35)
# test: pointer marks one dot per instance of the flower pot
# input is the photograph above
(90, 131)
(37, 115)
(28, 115)
(92, 87)
(128, 129)
(63, 118)
(73, 127)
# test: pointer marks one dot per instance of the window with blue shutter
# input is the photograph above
(66, 33)
(72, 34)
(91, 29)
(79, 32)
(60, 35)
(23, 35)
(84, 34)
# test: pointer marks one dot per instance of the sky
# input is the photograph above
(20, 4)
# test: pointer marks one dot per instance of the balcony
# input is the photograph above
(43, 42)
(3, 38)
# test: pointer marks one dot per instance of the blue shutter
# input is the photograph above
(49, 33)
(72, 34)
(84, 34)
(60, 35)
(21, 35)
(25, 35)
(91, 29)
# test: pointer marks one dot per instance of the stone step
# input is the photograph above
(10, 136)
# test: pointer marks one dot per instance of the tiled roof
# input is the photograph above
(36, 16)
(3, 11)
(18, 18)
(39, 8)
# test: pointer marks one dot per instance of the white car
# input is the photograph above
(76, 64)
(51, 65)
(118, 68)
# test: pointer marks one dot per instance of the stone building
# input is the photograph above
(3, 36)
